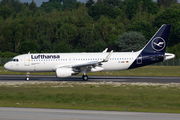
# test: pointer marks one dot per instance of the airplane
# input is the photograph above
(68, 64)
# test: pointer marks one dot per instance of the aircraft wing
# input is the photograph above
(93, 62)
(108, 56)
(86, 64)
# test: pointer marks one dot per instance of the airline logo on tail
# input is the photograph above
(158, 44)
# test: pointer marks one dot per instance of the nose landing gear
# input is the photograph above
(27, 76)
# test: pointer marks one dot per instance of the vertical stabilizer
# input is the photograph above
(158, 42)
(154, 50)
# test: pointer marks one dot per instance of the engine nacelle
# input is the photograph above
(96, 69)
(64, 72)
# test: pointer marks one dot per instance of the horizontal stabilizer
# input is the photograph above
(169, 56)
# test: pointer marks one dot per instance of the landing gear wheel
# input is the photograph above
(85, 77)
(27, 78)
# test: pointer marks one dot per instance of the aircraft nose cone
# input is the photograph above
(7, 66)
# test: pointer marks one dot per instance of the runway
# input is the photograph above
(20, 78)
(9, 113)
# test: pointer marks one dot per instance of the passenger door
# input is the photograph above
(27, 60)
(139, 59)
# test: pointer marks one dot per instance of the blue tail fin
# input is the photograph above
(158, 42)
(154, 50)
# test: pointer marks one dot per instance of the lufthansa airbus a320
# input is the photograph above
(68, 64)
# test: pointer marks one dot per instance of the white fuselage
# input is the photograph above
(48, 62)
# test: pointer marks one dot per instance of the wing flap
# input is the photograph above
(78, 65)
(85, 64)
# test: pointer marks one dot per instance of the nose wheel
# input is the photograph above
(85, 77)
(27, 76)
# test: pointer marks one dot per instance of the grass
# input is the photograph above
(139, 97)
(143, 71)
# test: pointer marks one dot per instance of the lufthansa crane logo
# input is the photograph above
(158, 44)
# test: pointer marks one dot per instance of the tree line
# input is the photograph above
(71, 26)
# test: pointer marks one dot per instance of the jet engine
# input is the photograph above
(64, 72)
(96, 69)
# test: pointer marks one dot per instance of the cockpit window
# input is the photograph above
(15, 60)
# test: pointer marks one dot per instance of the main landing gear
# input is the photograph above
(27, 76)
(85, 77)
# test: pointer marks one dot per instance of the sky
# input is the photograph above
(39, 2)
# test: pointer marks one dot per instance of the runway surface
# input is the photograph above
(9, 113)
(20, 78)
